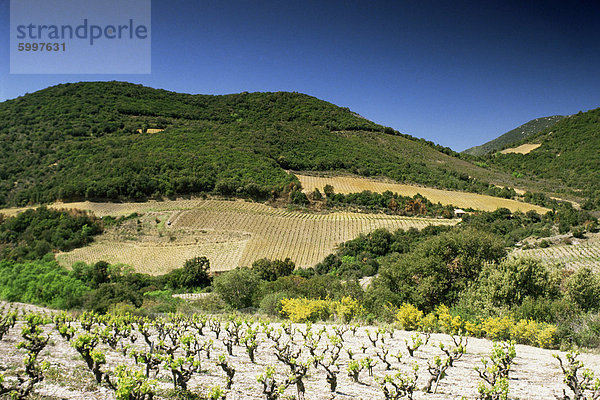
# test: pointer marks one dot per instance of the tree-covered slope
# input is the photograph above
(516, 135)
(569, 154)
(82, 141)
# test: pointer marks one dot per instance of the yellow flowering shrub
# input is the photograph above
(347, 309)
(524, 331)
(409, 317)
(497, 328)
(429, 323)
(534, 333)
(547, 336)
(448, 323)
(472, 329)
(305, 310)
(310, 310)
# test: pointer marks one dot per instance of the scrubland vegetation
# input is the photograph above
(81, 141)
(513, 136)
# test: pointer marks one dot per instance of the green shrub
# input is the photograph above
(211, 303)
(298, 197)
(582, 329)
(107, 294)
(583, 288)
(271, 303)
(34, 233)
(440, 268)
(237, 287)
(545, 310)
(512, 281)
(268, 270)
(41, 282)
(194, 274)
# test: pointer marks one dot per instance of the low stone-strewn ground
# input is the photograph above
(535, 373)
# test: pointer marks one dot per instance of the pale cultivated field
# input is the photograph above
(348, 184)
(522, 149)
(150, 130)
(157, 259)
(101, 209)
(280, 233)
(574, 256)
(229, 233)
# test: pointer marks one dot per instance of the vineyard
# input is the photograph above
(348, 184)
(573, 256)
(233, 233)
(234, 357)
(157, 259)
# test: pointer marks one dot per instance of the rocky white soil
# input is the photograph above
(535, 373)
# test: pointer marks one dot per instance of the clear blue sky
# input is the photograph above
(458, 73)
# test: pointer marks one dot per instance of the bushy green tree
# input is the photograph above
(298, 197)
(42, 282)
(583, 288)
(441, 267)
(35, 233)
(512, 281)
(237, 287)
(195, 273)
(269, 270)
(109, 294)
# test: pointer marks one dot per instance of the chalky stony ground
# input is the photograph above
(535, 373)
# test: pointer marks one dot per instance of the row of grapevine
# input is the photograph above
(573, 256)
(304, 238)
(239, 357)
(237, 233)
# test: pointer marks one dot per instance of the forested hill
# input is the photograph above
(99, 140)
(569, 153)
(513, 136)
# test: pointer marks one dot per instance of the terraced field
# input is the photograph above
(349, 184)
(230, 234)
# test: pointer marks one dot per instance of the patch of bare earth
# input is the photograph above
(522, 149)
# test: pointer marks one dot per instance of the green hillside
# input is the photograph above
(75, 141)
(569, 154)
(516, 135)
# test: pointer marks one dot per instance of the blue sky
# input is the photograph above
(458, 73)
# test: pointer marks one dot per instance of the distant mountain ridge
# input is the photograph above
(514, 136)
(569, 153)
